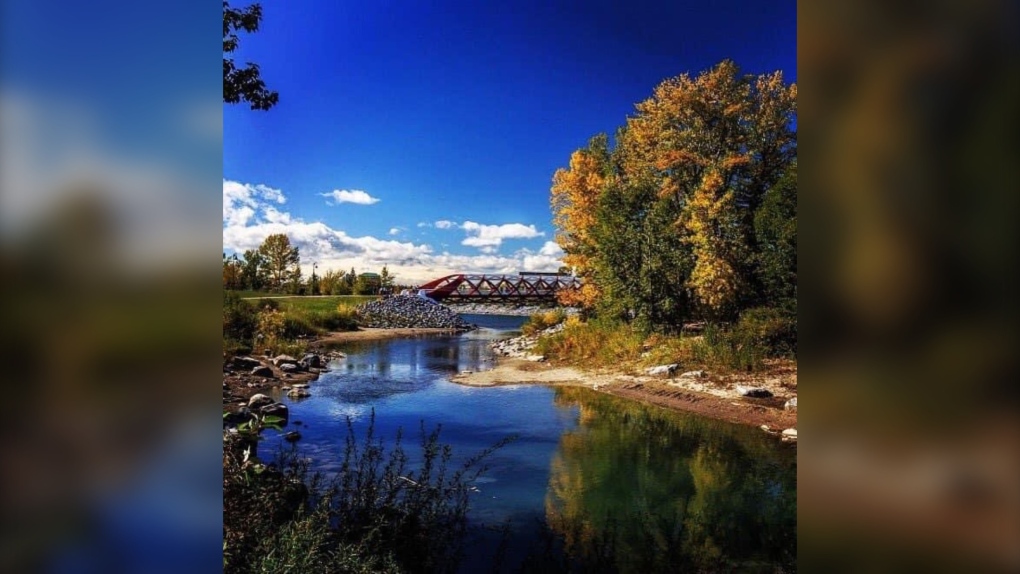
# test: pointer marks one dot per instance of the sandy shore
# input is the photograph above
(712, 396)
(374, 334)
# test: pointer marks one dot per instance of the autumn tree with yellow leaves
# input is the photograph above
(663, 226)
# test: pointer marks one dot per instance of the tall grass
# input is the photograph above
(759, 334)
(377, 515)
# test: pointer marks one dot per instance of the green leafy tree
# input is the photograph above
(775, 226)
(282, 261)
(243, 84)
(385, 279)
(232, 272)
(253, 270)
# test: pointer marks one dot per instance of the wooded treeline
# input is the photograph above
(692, 212)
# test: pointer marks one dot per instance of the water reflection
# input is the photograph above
(639, 489)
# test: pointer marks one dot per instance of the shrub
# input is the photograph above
(599, 342)
(543, 320)
(239, 323)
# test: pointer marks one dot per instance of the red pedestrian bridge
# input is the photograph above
(526, 286)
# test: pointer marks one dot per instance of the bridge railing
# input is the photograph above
(481, 286)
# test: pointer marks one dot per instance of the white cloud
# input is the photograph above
(483, 236)
(351, 196)
(552, 249)
(424, 224)
(445, 224)
(253, 215)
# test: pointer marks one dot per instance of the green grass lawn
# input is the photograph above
(305, 303)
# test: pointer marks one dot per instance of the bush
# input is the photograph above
(239, 323)
(599, 342)
(541, 321)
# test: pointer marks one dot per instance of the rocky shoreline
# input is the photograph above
(511, 309)
(409, 311)
(767, 401)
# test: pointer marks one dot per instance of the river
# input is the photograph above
(592, 480)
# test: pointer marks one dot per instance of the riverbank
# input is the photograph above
(706, 394)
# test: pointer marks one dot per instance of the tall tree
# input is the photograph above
(281, 261)
(574, 195)
(253, 270)
(243, 84)
(385, 279)
(232, 272)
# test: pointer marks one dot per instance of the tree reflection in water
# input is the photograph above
(639, 489)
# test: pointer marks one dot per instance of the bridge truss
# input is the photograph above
(528, 286)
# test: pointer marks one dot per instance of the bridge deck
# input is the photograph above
(504, 287)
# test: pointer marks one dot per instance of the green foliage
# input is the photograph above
(243, 83)
(239, 324)
(378, 514)
(775, 226)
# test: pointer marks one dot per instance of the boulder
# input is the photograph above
(753, 392)
(262, 371)
(244, 363)
(259, 400)
(236, 418)
(298, 393)
(292, 436)
(284, 359)
(791, 404)
(662, 370)
(694, 374)
(311, 361)
(299, 386)
(275, 409)
(289, 367)
(790, 433)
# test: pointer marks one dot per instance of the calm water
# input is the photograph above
(592, 480)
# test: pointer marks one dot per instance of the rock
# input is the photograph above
(259, 400)
(535, 358)
(276, 409)
(299, 386)
(244, 363)
(262, 371)
(662, 370)
(285, 388)
(234, 419)
(765, 428)
(292, 436)
(289, 367)
(753, 392)
(410, 311)
(298, 393)
(790, 433)
(694, 374)
(311, 361)
(283, 359)
(791, 404)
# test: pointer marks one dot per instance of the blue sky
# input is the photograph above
(425, 137)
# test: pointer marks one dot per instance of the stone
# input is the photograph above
(753, 392)
(283, 360)
(694, 374)
(662, 370)
(298, 393)
(790, 433)
(535, 358)
(312, 361)
(292, 436)
(276, 409)
(244, 363)
(259, 400)
(299, 386)
(791, 404)
(289, 367)
(262, 371)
